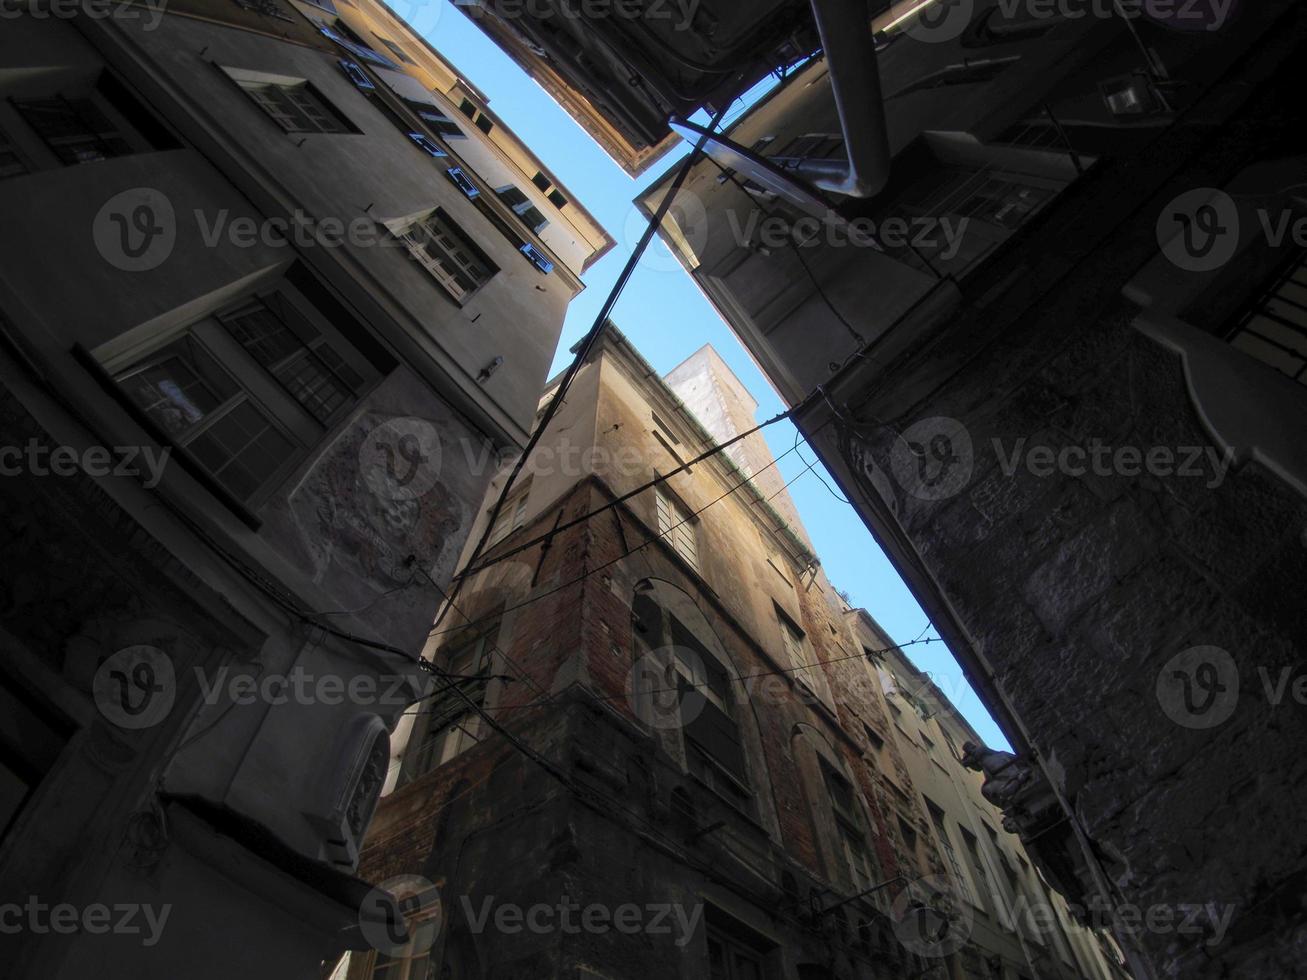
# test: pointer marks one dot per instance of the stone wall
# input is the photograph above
(1080, 583)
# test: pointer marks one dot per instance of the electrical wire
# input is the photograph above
(812, 466)
(657, 481)
(587, 344)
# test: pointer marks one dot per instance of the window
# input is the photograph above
(246, 391)
(12, 163)
(962, 882)
(814, 146)
(200, 406)
(485, 124)
(451, 725)
(467, 108)
(427, 145)
(877, 743)
(794, 643)
(413, 961)
(557, 199)
(463, 182)
(909, 833)
(666, 429)
(521, 206)
(537, 258)
(864, 870)
(442, 248)
(76, 130)
(399, 52)
(730, 959)
(713, 746)
(775, 562)
(440, 124)
(541, 181)
(357, 76)
(344, 35)
(676, 526)
(313, 373)
(293, 104)
(1275, 329)
(512, 516)
(985, 888)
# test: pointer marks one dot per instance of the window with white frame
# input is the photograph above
(676, 525)
(445, 251)
(245, 391)
(292, 103)
(449, 725)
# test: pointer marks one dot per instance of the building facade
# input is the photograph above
(673, 756)
(1056, 362)
(1019, 921)
(274, 286)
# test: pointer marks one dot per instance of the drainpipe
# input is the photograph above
(845, 30)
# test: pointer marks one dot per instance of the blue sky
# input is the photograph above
(667, 318)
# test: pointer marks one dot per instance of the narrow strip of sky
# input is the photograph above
(668, 318)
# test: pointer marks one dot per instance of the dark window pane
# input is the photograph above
(301, 371)
(242, 449)
(178, 387)
(74, 129)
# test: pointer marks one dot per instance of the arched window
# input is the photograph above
(683, 683)
(852, 836)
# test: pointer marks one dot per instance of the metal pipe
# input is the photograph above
(845, 30)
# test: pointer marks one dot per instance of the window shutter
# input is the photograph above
(714, 732)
